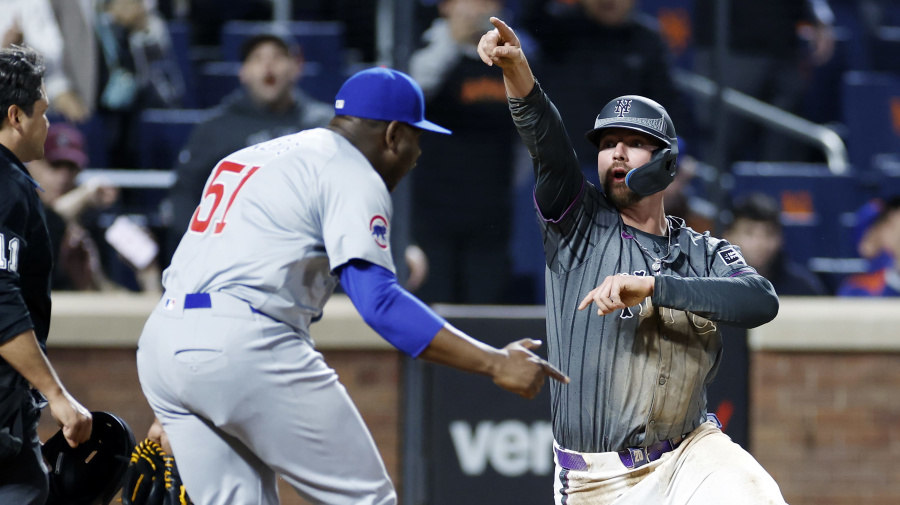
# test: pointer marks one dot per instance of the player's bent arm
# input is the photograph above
(746, 301)
(412, 327)
(24, 354)
(394, 313)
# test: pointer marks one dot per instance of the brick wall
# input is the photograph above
(827, 425)
(106, 379)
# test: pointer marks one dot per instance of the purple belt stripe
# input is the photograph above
(632, 457)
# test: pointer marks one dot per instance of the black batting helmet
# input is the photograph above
(644, 115)
(92, 473)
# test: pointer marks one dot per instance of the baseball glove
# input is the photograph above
(152, 478)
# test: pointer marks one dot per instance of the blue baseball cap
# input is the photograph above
(384, 94)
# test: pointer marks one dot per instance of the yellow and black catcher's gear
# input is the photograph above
(152, 478)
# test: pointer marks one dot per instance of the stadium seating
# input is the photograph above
(95, 138)
(813, 202)
(180, 33)
(871, 112)
(163, 133)
(321, 41)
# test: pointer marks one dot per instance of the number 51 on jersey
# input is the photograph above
(226, 183)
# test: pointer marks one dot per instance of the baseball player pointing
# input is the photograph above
(226, 360)
(632, 427)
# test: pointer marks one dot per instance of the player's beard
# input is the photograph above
(618, 192)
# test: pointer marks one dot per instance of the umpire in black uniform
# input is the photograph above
(26, 264)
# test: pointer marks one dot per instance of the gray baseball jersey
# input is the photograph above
(276, 218)
(638, 375)
(225, 359)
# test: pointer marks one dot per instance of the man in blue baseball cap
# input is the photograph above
(384, 94)
(226, 359)
(381, 112)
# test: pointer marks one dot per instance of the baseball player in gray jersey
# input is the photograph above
(226, 360)
(632, 426)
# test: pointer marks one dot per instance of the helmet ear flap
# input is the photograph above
(655, 175)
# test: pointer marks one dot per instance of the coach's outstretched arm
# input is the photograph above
(409, 325)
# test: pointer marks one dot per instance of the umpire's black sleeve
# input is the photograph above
(14, 315)
(747, 301)
(558, 177)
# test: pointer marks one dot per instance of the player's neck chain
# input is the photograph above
(656, 266)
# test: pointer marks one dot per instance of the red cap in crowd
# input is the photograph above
(65, 143)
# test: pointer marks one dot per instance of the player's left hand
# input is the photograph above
(619, 292)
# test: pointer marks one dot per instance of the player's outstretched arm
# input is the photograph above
(514, 368)
(411, 326)
(501, 47)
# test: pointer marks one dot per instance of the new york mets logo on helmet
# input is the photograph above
(378, 227)
(622, 107)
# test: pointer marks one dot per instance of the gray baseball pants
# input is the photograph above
(244, 398)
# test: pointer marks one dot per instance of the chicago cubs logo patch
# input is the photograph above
(378, 227)
(731, 257)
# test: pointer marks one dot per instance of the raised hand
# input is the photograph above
(618, 292)
(500, 46)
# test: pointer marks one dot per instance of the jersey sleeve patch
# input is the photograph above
(730, 256)
(378, 227)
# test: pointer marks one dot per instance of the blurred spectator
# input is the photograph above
(76, 25)
(466, 245)
(267, 106)
(756, 229)
(766, 59)
(31, 22)
(879, 242)
(137, 71)
(75, 253)
(597, 50)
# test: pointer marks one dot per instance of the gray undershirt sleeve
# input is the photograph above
(747, 301)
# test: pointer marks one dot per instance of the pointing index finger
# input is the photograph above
(506, 33)
(553, 372)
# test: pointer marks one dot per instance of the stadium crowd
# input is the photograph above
(172, 86)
